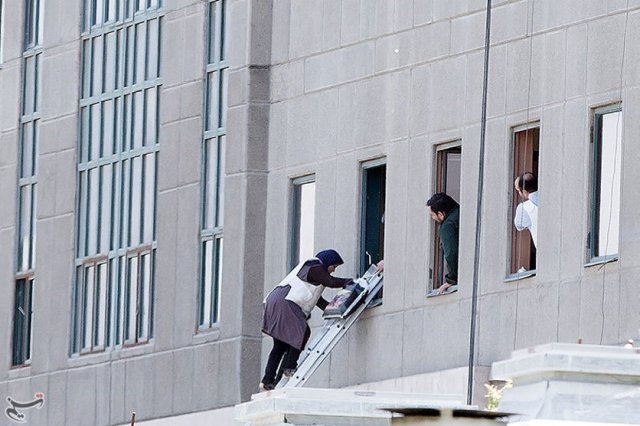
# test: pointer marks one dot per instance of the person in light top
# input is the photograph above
(527, 211)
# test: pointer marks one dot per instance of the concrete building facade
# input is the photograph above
(140, 137)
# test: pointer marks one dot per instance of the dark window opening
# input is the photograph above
(374, 178)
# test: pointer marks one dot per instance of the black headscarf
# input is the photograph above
(329, 257)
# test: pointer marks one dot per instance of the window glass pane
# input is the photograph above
(128, 126)
(140, 52)
(307, 219)
(107, 128)
(136, 201)
(222, 106)
(124, 210)
(213, 26)
(96, 130)
(93, 212)
(110, 62)
(211, 174)
(122, 295)
(151, 117)
(85, 132)
(131, 299)
(145, 294)
(105, 208)
(101, 305)
(207, 282)
(26, 211)
(304, 199)
(96, 66)
(86, 68)
(27, 150)
(213, 101)
(97, 12)
(23, 311)
(153, 49)
(149, 197)
(88, 304)
(32, 244)
(130, 58)
(138, 119)
(82, 213)
(217, 281)
(608, 209)
(29, 85)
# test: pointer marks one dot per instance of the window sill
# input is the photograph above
(111, 354)
(19, 372)
(434, 293)
(207, 335)
(520, 276)
(601, 261)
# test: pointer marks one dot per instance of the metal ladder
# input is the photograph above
(332, 331)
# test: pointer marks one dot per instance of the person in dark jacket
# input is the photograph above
(446, 211)
(289, 305)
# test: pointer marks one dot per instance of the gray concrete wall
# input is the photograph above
(320, 86)
(354, 80)
(179, 371)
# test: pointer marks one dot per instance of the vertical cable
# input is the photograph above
(483, 126)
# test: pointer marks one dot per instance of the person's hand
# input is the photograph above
(443, 288)
(380, 266)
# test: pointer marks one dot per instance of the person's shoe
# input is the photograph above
(289, 372)
(265, 387)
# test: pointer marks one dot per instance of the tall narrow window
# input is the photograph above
(526, 142)
(447, 179)
(604, 232)
(215, 106)
(374, 181)
(27, 182)
(302, 219)
(117, 169)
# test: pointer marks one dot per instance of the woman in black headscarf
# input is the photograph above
(288, 307)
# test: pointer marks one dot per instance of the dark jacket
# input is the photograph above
(313, 273)
(449, 239)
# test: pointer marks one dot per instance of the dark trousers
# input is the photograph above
(281, 353)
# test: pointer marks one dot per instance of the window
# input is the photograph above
(22, 322)
(27, 183)
(605, 183)
(302, 219)
(526, 142)
(447, 179)
(374, 177)
(117, 164)
(215, 105)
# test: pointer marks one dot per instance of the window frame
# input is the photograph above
(117, 165)
(595, 180)
(22, 333)
(517, 238)
(365, 167)
(214, 134)
(436, 267)
(295, 216)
